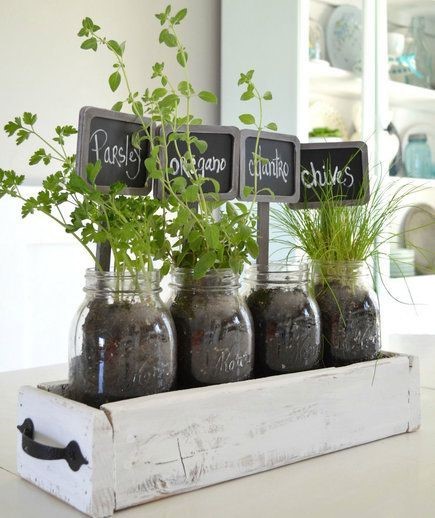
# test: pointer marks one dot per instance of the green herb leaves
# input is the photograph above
(167, 38)
(15, 127)
(90, 44)
(251, 92)
(204, 263)
(115, 81)
(247, 118)
(29, 118)
(208, 97)
(38, 155)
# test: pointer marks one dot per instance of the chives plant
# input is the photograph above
(342, 240)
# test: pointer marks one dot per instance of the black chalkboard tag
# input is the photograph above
(219, 161)
(278, 179)
(347, 164)
(106, 135)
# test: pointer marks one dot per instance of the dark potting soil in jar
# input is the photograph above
(287, 331)
(350, 324)
(214, 337)
(127, 350)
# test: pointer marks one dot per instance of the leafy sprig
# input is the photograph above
(201, 240)
(132, 226)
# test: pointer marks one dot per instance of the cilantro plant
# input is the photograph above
(200, 240)
(131, 225)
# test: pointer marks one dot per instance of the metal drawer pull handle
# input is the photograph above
(71, 453)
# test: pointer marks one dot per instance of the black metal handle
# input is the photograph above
(71, 453)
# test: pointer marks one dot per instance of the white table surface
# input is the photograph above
(391, 478)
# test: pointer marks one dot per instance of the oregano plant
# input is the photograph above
(205, 232)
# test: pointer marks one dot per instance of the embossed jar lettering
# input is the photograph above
(214, 328)
(286, 318)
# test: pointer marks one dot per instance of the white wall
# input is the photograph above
(45, 71)
(264, 36)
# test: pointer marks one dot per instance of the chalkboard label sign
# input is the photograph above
(107, 135)
(339, 166)
(278, 177)
(219, 162)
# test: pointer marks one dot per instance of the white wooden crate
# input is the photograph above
(151, 447)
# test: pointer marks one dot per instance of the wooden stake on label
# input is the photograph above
(103, 255)
(263, 232)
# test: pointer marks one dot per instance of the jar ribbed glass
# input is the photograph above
(286, 318)
(122, 342)
(349, 311)
(214, 328)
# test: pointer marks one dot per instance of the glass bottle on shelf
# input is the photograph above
(417, 56)
(316, 50)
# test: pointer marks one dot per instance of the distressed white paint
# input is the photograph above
(171, 443)
(58, 421)
(180, 441)
(414, 394)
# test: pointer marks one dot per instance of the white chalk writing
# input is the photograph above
(124, 156)
(319, 178)
(274, 167)
(204, 165)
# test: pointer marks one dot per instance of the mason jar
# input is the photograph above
(122, 342)
(214, 328)
(286, 318)
(349, 311)
(418, 159)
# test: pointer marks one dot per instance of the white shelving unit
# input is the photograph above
(413, 312)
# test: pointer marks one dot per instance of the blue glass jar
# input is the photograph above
(418, 160)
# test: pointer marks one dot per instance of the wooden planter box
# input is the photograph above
(151, 447)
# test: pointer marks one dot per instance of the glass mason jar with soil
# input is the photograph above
(349, 311)
(286, 318)
(122, 342)
(214, 328)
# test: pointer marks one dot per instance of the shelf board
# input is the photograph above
(334, 81)
(413, 97)
(342, 83)
(417, 182)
